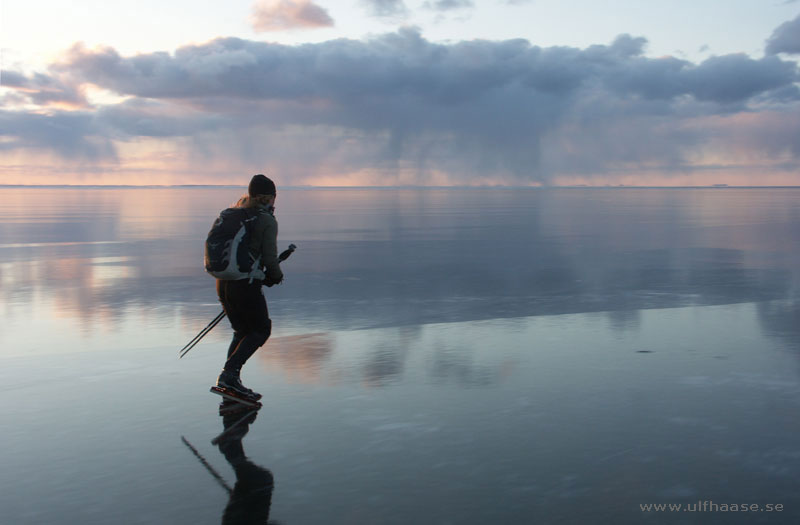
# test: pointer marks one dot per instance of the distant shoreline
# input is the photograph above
(477, 188)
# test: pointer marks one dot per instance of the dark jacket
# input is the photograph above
(264, 243)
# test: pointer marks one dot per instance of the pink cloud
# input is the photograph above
(280, 15)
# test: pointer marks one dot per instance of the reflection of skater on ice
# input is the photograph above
(251, 496)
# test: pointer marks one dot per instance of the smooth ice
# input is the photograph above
(439, 356)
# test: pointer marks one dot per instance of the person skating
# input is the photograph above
(242, 299)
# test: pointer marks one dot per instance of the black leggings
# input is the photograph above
(247, 311)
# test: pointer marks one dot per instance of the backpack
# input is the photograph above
(227, 254)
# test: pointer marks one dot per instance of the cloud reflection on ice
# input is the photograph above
(125, 264)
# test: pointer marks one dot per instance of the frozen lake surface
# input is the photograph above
(438, 356)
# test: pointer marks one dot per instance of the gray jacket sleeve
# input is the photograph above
(266, 246)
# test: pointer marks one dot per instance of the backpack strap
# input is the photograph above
(255, 272)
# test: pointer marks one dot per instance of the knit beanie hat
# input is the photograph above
(261, 185)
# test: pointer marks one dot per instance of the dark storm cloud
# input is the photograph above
(399, 101)
(786, 38)
(720, 79)
(397, 68)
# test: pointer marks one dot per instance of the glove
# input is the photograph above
(269, 282)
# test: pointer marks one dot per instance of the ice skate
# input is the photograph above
(230, 387)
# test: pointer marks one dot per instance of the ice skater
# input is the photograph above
(242, 299)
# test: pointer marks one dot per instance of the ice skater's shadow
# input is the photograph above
(251, 496)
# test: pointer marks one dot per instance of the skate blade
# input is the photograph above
(227, 395)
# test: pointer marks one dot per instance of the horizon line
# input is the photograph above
(402, 186)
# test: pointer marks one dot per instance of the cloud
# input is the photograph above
(282, 15)
(386, 8)
(42, 89)
(393, 68)
(400, 108)
(70, 134)
(785, 39)
(449, 5)
(721, 79)
(151, 118)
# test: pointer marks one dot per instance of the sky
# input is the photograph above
(400, 92)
